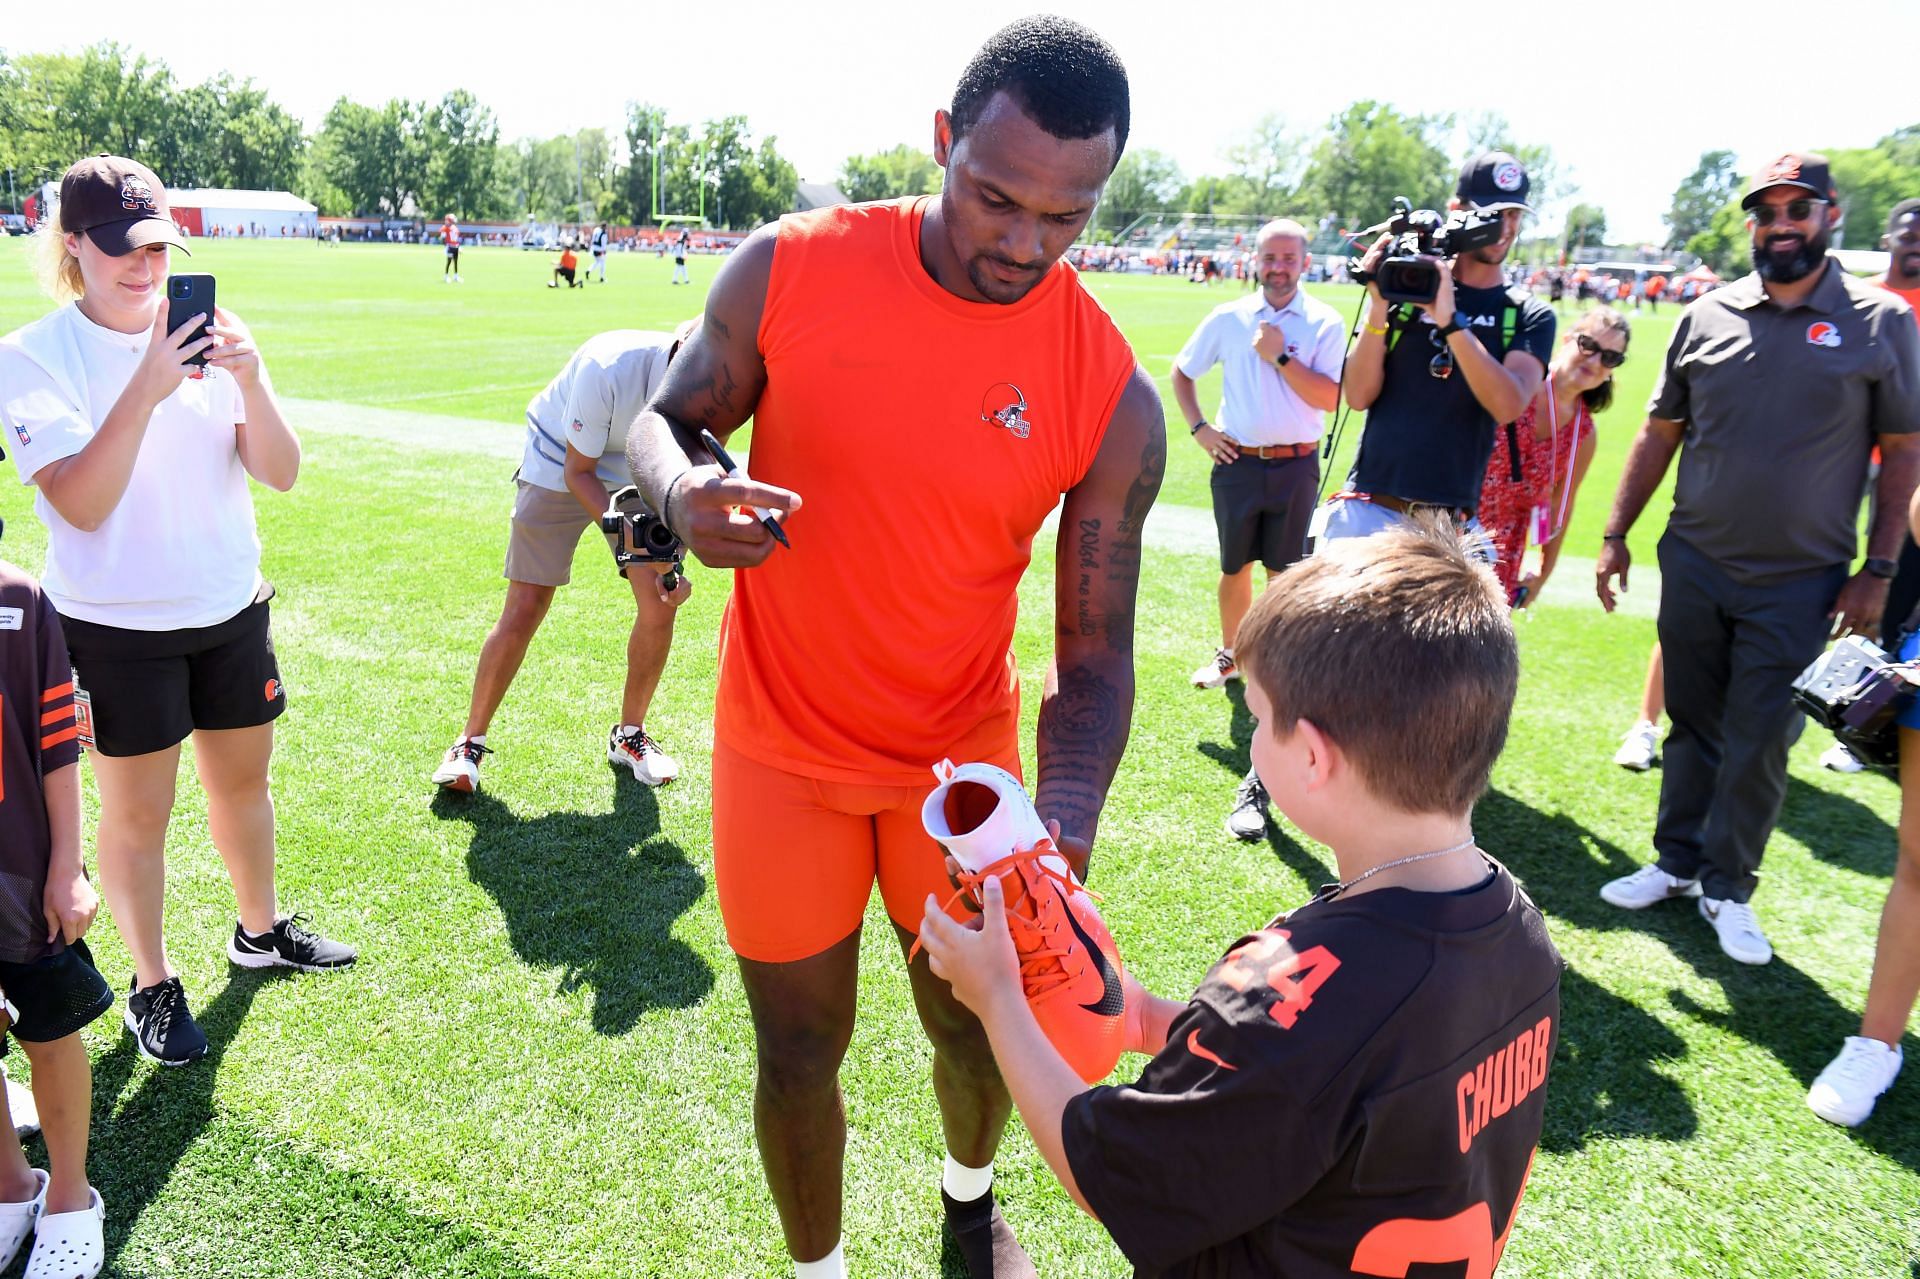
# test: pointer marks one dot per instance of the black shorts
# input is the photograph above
(1261, 507)
(136, 692)
(56, 996)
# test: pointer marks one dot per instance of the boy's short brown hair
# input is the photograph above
(1401, 650)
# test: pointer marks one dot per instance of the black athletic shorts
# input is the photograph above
(1261, 507)
(56, 996)
(136, 692)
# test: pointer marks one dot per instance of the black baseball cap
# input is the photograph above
(120, 205)
(1803, 169)
(1494, 180)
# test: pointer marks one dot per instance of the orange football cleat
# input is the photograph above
(1069, 966)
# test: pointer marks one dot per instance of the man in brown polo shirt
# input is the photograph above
(1778, 386)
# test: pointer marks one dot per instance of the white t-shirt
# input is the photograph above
(599, 241)
(590, 406)
(180, 550)
(1257, 407)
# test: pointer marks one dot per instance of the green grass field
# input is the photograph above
(542, 1065)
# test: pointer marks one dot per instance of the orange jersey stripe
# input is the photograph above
(55, 715)
(57, 691)
(66, 734)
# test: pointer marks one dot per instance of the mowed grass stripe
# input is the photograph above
(546, 1051)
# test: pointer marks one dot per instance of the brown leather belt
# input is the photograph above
(1405, 507)
(1268, 452)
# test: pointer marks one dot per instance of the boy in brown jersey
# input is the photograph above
(1358, 1087)
(50, 985)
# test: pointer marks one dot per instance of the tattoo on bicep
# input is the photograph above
(717, 408)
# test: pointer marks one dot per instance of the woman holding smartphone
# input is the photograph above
(140, 456)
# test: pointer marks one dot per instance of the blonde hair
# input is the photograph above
(57, 269)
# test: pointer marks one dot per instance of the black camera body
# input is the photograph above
(1857, 693)
(1407, 272)
(644, 536)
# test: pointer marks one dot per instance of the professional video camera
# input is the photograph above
(644, 536)
(1856, 692)
(1407, 273)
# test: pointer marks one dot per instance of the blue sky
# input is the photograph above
(1627, 93)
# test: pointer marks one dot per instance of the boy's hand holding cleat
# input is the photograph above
(1064, 959)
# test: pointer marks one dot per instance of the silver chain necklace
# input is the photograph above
(1334, 890)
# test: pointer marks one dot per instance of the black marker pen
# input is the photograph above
(732, 468)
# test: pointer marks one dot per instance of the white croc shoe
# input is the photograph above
(981, 814)
(20, 1105)
(16, 1220)
(69, 1245)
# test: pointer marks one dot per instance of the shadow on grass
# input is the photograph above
(1775, 1007)
(1838, 829)
(1603, 1083)
(136, 1145)
(1236, 756)
(594, 895)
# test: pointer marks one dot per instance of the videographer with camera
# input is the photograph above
(1779, 385)
(1446, 354)
(572, 473)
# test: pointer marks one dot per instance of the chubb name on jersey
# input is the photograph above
(1504, 1080)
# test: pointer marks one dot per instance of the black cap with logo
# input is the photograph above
(120, 205)
(1803, 169)
(1494, 180)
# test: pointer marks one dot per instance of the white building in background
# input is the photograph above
(219, 211)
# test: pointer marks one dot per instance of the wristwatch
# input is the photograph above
(1283, 359)
(1450, 328)
(1881, 568)
(1195, 428)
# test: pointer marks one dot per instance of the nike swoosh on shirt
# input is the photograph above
(1113, 999)
(1200, 1050)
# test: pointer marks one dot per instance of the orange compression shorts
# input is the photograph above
(795, 858)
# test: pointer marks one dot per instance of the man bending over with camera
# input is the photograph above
(575, 460)
(1437, 374)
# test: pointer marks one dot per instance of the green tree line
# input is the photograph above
(403, 157)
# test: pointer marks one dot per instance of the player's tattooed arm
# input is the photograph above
(1087, 708)
(713, 383)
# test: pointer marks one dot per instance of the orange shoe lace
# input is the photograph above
(1043, 968)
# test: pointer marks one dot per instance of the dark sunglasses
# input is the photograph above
(1795, 211)
(1441, 365)
(1608, 359)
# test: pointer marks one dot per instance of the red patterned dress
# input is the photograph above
(1506, 506)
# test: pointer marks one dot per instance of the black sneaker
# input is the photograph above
(984, 1239)
(1248, 820)
(288, 944)
(162, 1025)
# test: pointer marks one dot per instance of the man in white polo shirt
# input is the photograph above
(1282, 351)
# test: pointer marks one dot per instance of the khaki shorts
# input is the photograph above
(546, 529)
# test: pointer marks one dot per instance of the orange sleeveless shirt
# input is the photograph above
(883, 640)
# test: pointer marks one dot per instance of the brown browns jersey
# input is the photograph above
(1356, 1089)
(38, 735)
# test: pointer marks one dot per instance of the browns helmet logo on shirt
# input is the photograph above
(1785, 169)
(1821, 333)
(1004, 405)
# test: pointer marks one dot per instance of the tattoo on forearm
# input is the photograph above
(1083, 733)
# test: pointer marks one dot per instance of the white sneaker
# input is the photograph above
(982, 814)
(628, 746)
(1638, 747)
(1846, 1090)
(1739, 930)
(460, 768)
(1837, 758)
(20, 1105)
(1217, 672)
(1646, 887)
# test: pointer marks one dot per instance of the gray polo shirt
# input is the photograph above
(1781, 409)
